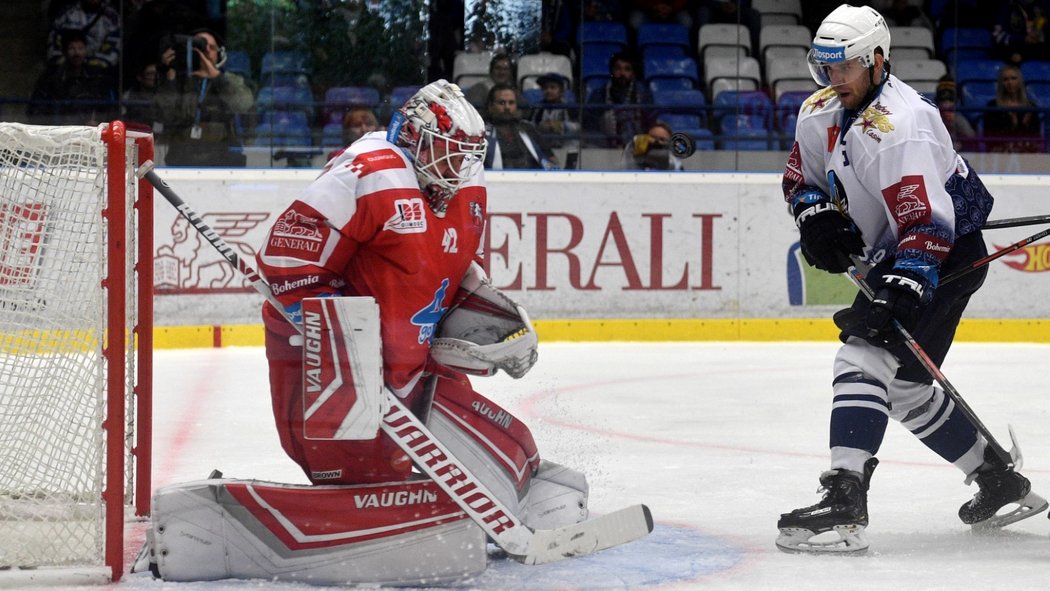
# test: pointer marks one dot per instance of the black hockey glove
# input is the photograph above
(828, 237)
(898, 296)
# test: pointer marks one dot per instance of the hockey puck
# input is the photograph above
(682, 146)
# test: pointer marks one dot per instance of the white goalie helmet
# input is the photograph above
(848, 34)
(445, 136)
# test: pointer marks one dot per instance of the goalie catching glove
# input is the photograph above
(485, 331)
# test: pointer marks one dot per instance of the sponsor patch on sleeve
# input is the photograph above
(299, 233)
(365, 164)
(908, 202)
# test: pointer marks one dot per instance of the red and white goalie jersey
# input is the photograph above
(363, 228)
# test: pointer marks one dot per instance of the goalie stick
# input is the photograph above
(521, 543)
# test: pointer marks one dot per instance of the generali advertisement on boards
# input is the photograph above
(593, 245)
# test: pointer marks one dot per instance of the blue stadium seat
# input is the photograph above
(400, 94)
(972, 37)
(283, 128)
(704, 138)
(1035, 71)
(332, 135)
(284, 62)
(607, 32)
(682, 101)
(284, 98)
(665, 84)
(594, 63)
(662, 51)
(1039, 91)
(238, 62)
(683, 67)
(969, 70)
(753, 103)
(786, 115)
(663, 34)
(351, 96)
(691, 125)
(744, 132)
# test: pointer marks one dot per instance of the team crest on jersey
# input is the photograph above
(428, 317)
(410, 217)
(298, 233)
(476, 214)
(817, 100)
(365, 164)
(875, 117)
(908, 200)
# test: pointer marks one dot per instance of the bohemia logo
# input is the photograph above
(188, 263)
(409, 218)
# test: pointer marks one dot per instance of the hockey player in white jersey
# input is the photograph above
(873, 177)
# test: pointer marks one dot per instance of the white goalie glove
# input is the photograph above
(485, 332)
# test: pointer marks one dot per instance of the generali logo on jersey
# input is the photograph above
(907, 199)
(409, 217)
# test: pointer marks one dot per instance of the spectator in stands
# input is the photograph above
(620, 122)
(513, 143)
(73, 92)
(356, 123)
(200, 105)
(100, 25)
(553, 117)
(139, 100)
(501, 71)
(660, 12)
(1011, 124)
(1020, 31)
(651, 151)
(603, 11)
(963, 134)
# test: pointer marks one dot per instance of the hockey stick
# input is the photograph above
(471, 495)
(1011, 458)
(1014, 222)
(995, 255)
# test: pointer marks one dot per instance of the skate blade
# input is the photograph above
(1032, 504)
(850, 540)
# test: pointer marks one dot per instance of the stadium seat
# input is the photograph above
(285, 98)
(785, 40)
(690, 125)
(664, 84)
(744, 132)
(786, 115)
(662, 51)
(1035, 71)
(594, 64)
(283, 128)
(921, 70)
(683, 67)
(718, 34)
(238, 62)
(778, 12)
(785, 74)
(663, 34)
(468, 68)
(400, 94)
(912, 43)
(532, 66)
(704, 138)
(284, 62)
(969, 70)
(968, 37)
(691, 102)
(1039, 91)
(606, 32)
(753, 103)
(721, 75)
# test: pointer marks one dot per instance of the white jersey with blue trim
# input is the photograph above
(892, 159)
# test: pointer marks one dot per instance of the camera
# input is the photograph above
(651, 153)
(187, 60)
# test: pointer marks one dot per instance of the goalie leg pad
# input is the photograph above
(492, 443)
(404, 534)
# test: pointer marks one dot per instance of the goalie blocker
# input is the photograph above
(235, 529)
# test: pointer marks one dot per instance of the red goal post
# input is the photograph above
(76, 341)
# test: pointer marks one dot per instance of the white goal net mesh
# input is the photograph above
(53, 316)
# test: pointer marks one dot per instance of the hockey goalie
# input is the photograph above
(376, 266)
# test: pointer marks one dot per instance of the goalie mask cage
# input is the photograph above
(76, 336)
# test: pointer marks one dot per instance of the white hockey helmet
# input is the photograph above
(445, 136)
(848, 33)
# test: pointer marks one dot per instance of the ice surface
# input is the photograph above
(717, 438)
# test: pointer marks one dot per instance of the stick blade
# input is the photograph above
(587, 537)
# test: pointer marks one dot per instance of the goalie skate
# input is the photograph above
(836, 524)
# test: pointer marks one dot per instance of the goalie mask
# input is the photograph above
(845, 43)
(445, 137)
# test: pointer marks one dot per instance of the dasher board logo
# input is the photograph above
(409, 217)
(22, 229)
(185, 262)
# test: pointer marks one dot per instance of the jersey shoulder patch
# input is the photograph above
(373, 161)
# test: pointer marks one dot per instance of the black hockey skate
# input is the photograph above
(1000, 486)
(843, 510)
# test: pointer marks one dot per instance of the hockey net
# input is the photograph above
(75, 346)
